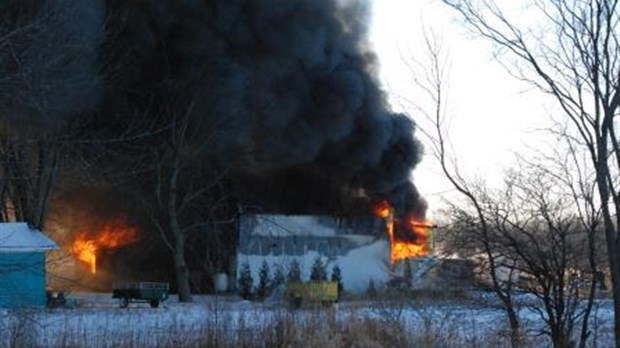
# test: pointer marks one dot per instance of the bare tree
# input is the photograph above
(566, 166)
(29, 169)
(539, 230)
(48, 61)
(545, 215)
(537, 241)
(178, 184)
(430, 76)
(574, 56)
(48, 74)
(181, 185)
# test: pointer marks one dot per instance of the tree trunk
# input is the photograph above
(611, 235)
(46, 178)
(614, 265)
(182, 274)
(515, 330)
(180, 267)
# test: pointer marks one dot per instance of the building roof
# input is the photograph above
(19, 237)
(277, 225)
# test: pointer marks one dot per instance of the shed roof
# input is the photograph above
(19, 237)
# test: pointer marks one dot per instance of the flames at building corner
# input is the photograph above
(409, 237)
(113, 234)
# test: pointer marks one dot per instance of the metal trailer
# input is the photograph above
(325, 292)
(151, 292)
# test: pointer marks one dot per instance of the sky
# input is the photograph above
(492, 115)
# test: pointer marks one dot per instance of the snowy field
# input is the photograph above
(97, 321)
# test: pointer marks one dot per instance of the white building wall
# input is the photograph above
(359, 247)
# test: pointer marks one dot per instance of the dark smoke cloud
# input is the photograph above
(286, 89)
(288, 85)
(48, 60)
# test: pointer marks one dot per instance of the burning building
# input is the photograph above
(357, 245)
(409, 235)
(90, 245)
(113, 234)
(365, 248)
(194, 112)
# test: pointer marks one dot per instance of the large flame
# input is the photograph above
(113, 234)
(417, 233)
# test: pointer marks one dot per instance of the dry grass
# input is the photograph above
(380, 322)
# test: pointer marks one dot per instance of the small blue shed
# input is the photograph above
(22, 265)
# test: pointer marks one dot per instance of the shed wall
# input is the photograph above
(22, 279)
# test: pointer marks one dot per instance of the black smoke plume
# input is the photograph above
(286, 92)
(289, 88)
(49, 68)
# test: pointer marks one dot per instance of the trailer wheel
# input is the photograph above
(296, 301)
(154, 303)
(124, 302)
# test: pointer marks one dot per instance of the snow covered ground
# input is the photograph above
(97, 321)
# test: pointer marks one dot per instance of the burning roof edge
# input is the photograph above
(19, 237)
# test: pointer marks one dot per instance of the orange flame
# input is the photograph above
(86, 251)
(404, 249)
(113, 234)
(383, 209)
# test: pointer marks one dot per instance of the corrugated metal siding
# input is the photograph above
(22, 280)
(294, 235)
